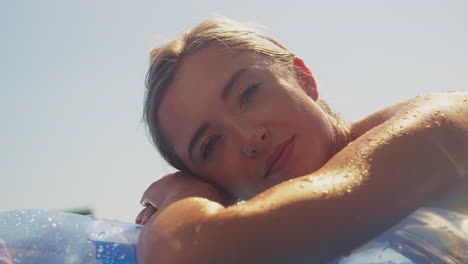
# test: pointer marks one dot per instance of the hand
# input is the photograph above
(174, 187)
(5, 255)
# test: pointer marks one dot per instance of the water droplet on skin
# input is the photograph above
(348, 190)
(428, 126)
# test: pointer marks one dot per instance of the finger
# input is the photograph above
(150, 193)
(140, 216)
(145, 214)
(149, 212)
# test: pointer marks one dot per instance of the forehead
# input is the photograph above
(195, 92)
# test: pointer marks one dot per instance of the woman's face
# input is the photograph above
(236, 119)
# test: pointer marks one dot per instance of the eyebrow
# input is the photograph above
(200, 131)
(230, 84)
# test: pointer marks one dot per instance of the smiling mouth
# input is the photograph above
(280, 156)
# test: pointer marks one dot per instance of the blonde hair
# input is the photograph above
(166, 59)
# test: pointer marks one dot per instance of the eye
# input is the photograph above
(209, 146)
(248, 93)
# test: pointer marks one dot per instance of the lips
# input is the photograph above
(280, 156)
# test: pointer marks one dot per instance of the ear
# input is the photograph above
(306, 79)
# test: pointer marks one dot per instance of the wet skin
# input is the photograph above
(244, 123)
(403, 157)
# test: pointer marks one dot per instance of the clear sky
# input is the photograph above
(72, 81)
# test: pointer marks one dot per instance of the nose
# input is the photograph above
(254, 141)
(252, 137)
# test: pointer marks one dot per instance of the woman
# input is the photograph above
(240, 117)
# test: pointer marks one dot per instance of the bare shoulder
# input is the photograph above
(436, 119)
(445, 110)
(451, 105)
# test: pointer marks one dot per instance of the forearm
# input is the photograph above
(364, 189)
(347, 211)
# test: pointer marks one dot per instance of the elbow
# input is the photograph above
(172, 236)
(156, 247)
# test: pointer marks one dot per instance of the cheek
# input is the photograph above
(221, 171)
(315, 144)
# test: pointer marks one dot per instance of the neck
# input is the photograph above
(341, 136)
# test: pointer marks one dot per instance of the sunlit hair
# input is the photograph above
(166, 59)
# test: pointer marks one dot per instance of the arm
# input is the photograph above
(370, 185)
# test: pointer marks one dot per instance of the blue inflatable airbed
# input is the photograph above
(429, 235)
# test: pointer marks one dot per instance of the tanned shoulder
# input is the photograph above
(412, 107)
